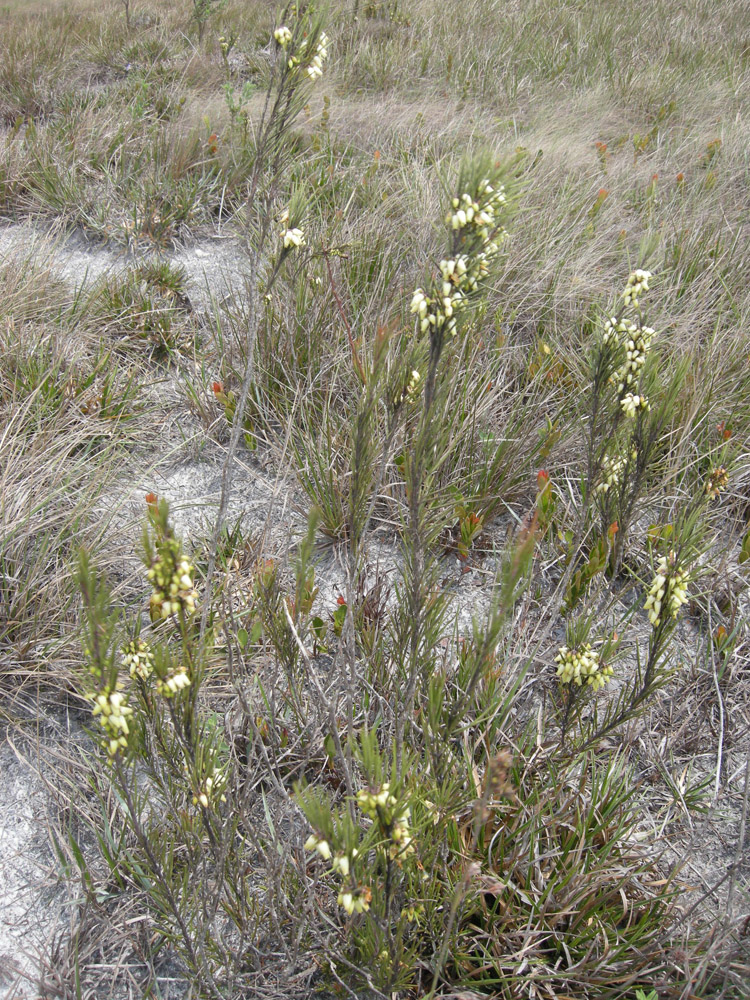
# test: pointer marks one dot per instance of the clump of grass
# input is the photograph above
(65, 410)
(147, 303)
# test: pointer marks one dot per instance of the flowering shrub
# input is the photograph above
(433, 856)
(438, 698)
(370, 848)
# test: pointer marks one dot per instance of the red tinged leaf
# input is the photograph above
(726, 432)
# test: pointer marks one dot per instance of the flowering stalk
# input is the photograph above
(623, 335)
(387, 833)
(104, 689)
(301, 49)
(170, 573)
(626, 332)
(668, 591)
(475, 238)
(617, 461)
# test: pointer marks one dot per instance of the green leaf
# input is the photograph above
(339, 617)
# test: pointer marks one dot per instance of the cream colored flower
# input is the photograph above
(176, 680)
(283, 36)
(668, 590)
(419, 303)
(323, 848)
(346, 899)
(138, 658)
(113, 712)
(581, 666)
(631, 403)
(340, 863)
(637, 282)
(293, 238)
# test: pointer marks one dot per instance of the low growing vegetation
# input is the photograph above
(464, 714)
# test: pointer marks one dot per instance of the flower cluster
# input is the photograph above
(635, 339)
(612, 470)
(313, 68)
(460, 275)
(637, 283)
(138, 658)
(668, 590)
(479, 213)
(636, 348)
(716, 482)
(292, 237)
(382, 807)
(369, 802)
(210, 790)
(632, 403)
(171, 577)
(320, 845)
(582, 665)
(413, 388)
(355, 900)
(113, 710)
(618, 330)
(173, 682)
